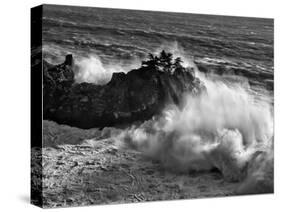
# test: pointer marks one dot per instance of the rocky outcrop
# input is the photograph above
(135, 96)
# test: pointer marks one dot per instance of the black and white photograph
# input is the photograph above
(141, 106)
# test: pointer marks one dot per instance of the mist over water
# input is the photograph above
(226, 128)
(91, 69)
(226, 106)
(223, 129)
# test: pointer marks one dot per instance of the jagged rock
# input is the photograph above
(135, 96)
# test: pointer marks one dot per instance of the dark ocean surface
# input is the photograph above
(126, 36)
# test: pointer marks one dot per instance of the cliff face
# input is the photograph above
(135, 96)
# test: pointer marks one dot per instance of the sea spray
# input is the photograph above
(91, 69)
(225, 128)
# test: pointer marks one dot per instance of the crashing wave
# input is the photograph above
(226, 128)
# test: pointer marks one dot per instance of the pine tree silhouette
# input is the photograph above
(153, 61)
(177, 63)
(163, 62)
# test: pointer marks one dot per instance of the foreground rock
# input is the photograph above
(126, 98)
(84, 167)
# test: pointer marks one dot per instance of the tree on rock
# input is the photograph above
(177, 63)
(152, 62)
(163, 62)
(166, 61)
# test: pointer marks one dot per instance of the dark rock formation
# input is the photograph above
(135, 96)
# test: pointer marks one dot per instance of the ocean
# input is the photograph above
(172, 155)
(116, 35)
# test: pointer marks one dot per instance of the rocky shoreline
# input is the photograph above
(126, 98)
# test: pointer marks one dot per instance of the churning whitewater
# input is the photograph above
(226, 128)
